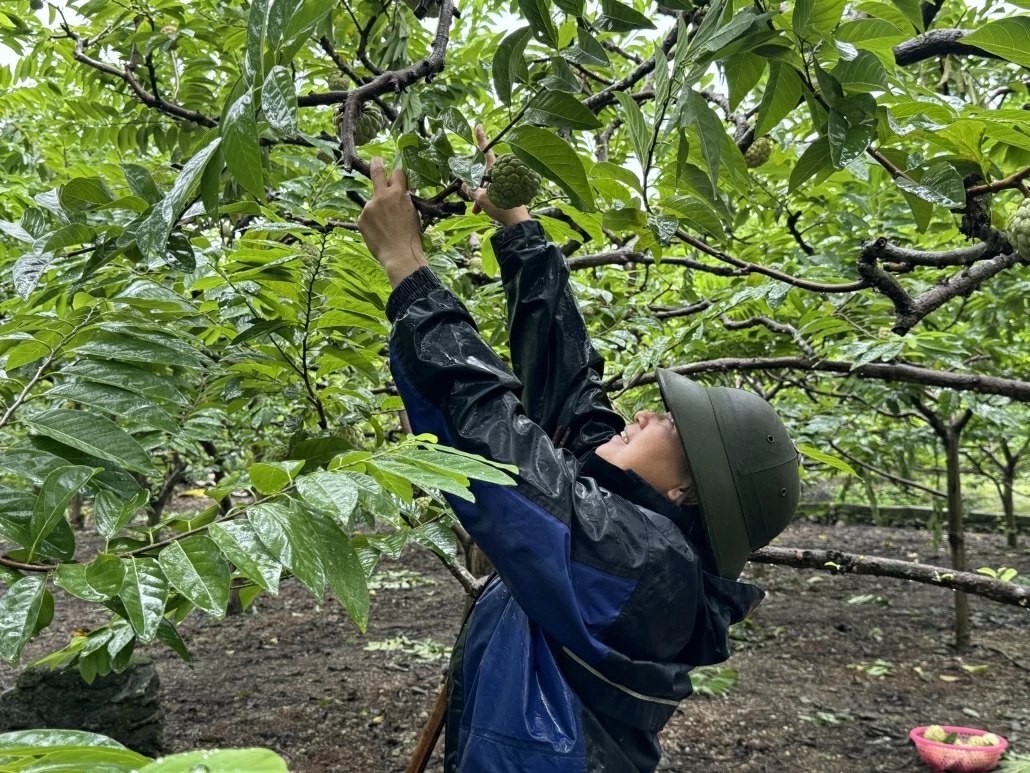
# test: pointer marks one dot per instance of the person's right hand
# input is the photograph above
(482, 202)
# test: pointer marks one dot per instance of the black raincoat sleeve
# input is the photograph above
(551, 352)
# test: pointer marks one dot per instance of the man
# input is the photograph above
(618, 551)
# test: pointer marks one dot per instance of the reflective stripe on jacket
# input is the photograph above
(579, 651)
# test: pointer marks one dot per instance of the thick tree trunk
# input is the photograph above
(1008, 507)
(956, 535)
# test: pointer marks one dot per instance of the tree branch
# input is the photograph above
(875, 371)
(606, 96)
(774, 326)
(935, 44)
(836, 562)
(889, 476)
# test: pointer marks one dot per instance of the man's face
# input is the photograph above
(650, 446)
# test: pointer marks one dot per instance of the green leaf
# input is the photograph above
(743, 72)
(84, 193)
(111, 345)
(1008, 38)
(30, 742)
(106, 574)
(561, 78)
(70, 235)
(19, 610)
(639, 131)
(27, 270)
(333, 492)
(128, 377)
(152, 233)
(426, 478)
(539, 18)
(618, 17)
(72, 578)
(697, 214)
(279, 102)
(93, 434)
(912, 10)
(587, 51)
(253, 64)
(220, 761)
(141, 183)
(571, 7)
(782, 94)
(343, 570)
(144, 593)
(871, 34)
(509, 64)
(117, 401)
(240, 146)
(802, 13)
(288, 535)
(454, 121)
(710, 131)
(561, 110)
(272, 477)
(553, 158)
(848, 141)
(240, 544)
(169, 636)
(833, 461)
(863, 74)
(112, 514)
(826, 15)
(195, 567)
(941, 184)
(814, 160)
(458, 464)
(56, 492)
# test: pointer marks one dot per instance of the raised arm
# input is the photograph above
(551, 351)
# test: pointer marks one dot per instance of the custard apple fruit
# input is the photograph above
(758, 153)
(976, 740)
(370, 122)
(512, 183)
(1019, 230)
(36, 5)
(476, 265)
(337, 81)
(352, 434)
(990, 739)
(935, 733)
(276, 454)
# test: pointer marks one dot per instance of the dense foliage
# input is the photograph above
(809, 201)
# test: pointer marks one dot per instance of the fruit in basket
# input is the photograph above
(935, 733)
(990, 739)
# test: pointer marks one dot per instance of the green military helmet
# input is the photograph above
(743, 462)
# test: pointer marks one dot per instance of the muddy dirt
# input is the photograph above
(301, 680)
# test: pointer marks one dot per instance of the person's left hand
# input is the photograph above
(390, 224)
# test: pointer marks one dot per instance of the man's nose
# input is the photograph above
(643, 418)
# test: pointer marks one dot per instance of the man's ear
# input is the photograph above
(683, 495)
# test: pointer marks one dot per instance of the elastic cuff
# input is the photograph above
(527, 229)
(415, 286)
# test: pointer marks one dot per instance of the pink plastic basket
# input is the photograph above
(956, 757)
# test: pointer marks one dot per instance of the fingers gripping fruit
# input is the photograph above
(1019, 230)
(512, 183)
(369, 123)
(935, 733)
(758, 153)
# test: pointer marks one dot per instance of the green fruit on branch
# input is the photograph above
(758, 154)
(369, 123)
(353, 435)
(935, 733)
(1019, 230)
(512, 183)
(276, 454)
(476, 265)
(337, 81)
(36, 5)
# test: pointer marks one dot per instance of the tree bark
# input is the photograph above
(956, 533)
(75, 512)
(1008, 507)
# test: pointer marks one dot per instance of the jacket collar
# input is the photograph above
(630, 486)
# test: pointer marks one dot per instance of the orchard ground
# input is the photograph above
(299, 679)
